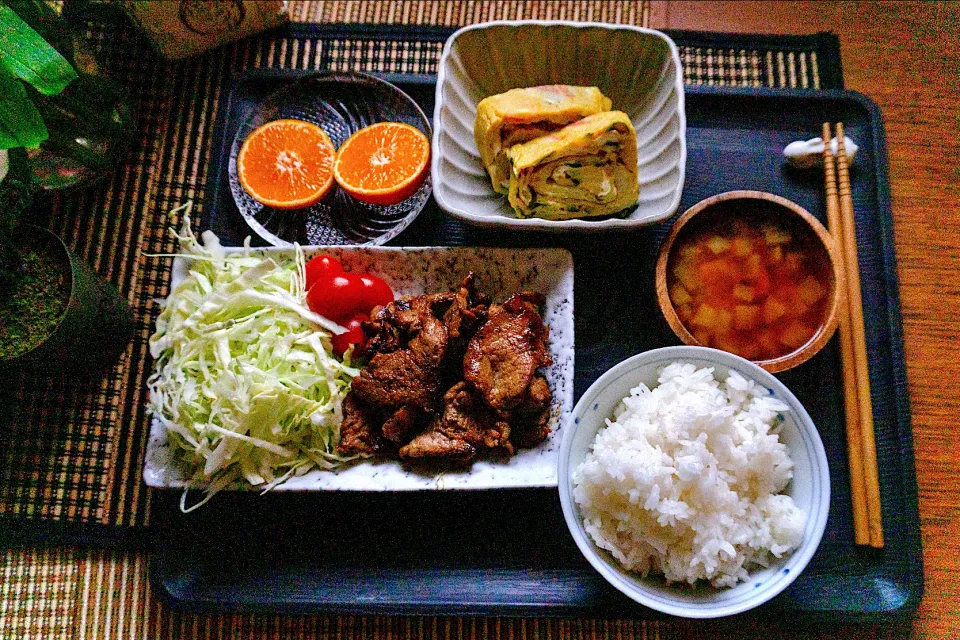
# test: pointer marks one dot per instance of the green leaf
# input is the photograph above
(19, 117)
(7, 139)
(26, 55)
(45, 20)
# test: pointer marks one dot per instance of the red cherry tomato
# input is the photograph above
(338, 297)
(354, 335)
(321, 266)
(375, 291)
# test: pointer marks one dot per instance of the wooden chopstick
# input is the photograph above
(861, 527)
(858, 331)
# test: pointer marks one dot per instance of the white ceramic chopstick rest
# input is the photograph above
(805, 154)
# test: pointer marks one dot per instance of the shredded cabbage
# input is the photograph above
(245, 382)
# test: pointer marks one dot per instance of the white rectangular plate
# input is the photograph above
(413, 271)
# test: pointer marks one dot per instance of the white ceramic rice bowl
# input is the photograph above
(638, 69)
(810, 487)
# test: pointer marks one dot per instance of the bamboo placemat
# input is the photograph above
(71, 450)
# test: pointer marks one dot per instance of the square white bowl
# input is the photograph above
(638, 69)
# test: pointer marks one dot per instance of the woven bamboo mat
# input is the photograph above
(71, 450)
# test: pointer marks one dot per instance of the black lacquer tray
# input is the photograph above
(509, 552)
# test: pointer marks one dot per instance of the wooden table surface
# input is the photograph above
(906, 57)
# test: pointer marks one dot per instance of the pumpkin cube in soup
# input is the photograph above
(690, 250)
(686, 274)
(724, 322)
(746, 317)
(773, 236)
(744, 293)
(776, 254)
(705, 316)
(753, 266)
(772, 310)
(741, 247)
(718, 245)
(811, 291)
(704, 338)
(795, 334)
(685, 312)
(680, 295)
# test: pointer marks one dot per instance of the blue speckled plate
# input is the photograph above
(413, 271)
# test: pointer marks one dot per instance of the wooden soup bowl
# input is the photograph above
(710, 213)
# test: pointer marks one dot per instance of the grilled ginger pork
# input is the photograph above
(450, 376)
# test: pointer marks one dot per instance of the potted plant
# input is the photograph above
(76, 119)
(55, 314)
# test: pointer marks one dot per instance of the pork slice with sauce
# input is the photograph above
(502, 357)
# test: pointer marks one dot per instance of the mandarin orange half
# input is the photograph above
(286, 164)
(384, 163)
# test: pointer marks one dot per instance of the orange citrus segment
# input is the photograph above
(384, 163)
(286, 164)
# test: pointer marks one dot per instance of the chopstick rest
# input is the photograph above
(804, 154)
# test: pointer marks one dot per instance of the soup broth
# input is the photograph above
(750, 285)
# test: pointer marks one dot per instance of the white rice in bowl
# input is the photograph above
(685, 481)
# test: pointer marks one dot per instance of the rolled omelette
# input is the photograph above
(521, 115)
(588, 168)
